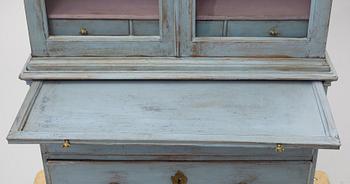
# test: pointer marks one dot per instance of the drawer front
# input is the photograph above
(151, 152)
(66, 27)
(92, 172)
(292, 29)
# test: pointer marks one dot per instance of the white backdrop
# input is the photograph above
(19, 163)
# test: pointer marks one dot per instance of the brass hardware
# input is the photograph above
(280, 148)
(66, 144)
(83, 31)
(179, 178)
(274, 32)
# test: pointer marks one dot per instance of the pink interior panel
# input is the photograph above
(103, 9)
(253, 9)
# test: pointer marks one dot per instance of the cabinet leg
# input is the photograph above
(40, 178)
(321, 178)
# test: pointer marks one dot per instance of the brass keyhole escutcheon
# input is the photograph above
(179, 178)
(66, 144)
(83, 31)
(274, 32)
(280, 148)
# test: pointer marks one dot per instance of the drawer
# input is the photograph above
(151, 152)
(218, 28)
(72, 27)
(93, 172)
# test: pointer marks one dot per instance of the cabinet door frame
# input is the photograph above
(311, 46)
(45, 45)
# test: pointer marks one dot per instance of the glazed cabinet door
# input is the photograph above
(101, 27)
(253, 28)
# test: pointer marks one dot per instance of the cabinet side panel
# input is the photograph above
(37, 26)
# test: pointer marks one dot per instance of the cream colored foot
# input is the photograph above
(321, 178)
(40, 178)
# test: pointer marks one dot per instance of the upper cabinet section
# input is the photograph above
(188, 28)
(102, 27)
(254, 28)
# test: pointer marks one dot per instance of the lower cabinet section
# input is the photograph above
(154, 172)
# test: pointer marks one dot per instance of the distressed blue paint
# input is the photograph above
(191, 113)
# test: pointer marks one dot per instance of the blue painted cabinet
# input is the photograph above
(177, 91)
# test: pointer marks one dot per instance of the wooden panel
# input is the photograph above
(145, 28)
(37, 26)
(196, 172)
(291, 29)
(68, 27)
(61, 27)
(103, 9)
(176, 105)
(210, 28)
(151, 152)
(180, 112)
(253, 9)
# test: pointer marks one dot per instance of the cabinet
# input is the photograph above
(177, 91)
(163, 28)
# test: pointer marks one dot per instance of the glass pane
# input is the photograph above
(252, 18)
(103, 17)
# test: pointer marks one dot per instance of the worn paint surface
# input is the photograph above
(190, 113)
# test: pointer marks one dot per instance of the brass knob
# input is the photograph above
(83, 31)
(66, 144)
(280, 148)
(179, 178)
(274, 32)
